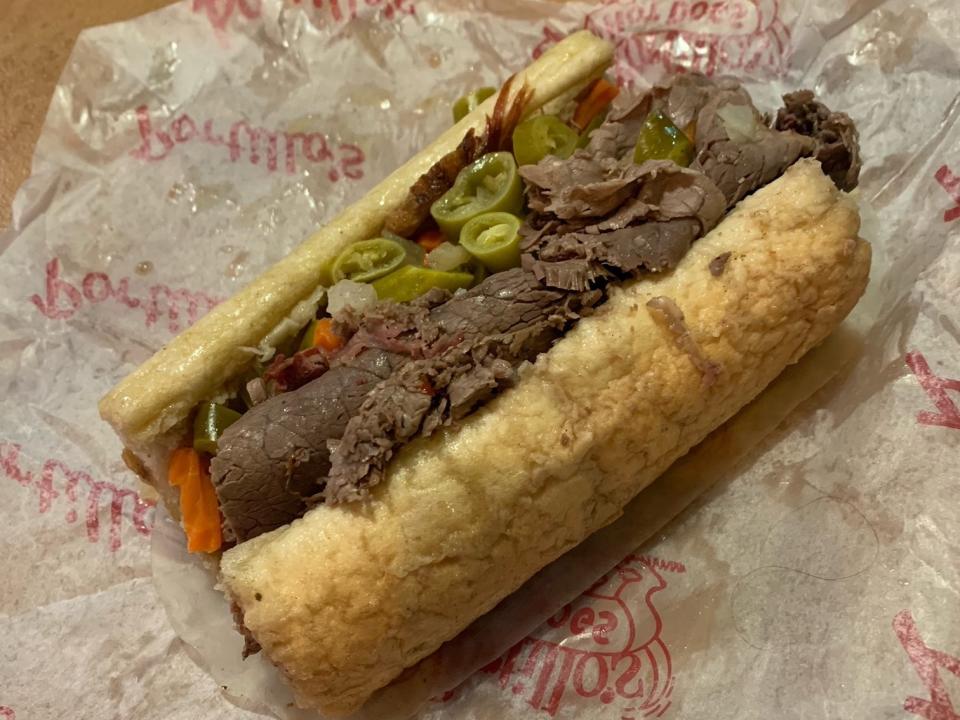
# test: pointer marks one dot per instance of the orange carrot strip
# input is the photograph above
(199, 509)
(430, 239)
(600, 95)
(324, 336)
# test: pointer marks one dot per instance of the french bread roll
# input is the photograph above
(345, 598)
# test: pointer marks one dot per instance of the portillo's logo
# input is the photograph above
(740, 37)
(602, 654)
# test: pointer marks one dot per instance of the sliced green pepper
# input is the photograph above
(494, 240)
(489, 184)
(415, 253)
(470, 102)
(212, 419)
(306, 338)
(543, 135)
(660, 139)
(410, 282)
(368, 260)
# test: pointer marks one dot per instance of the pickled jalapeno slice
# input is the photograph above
(489, 184)
(543, 135)
(494, 240)
(368, 260)
(660, 139)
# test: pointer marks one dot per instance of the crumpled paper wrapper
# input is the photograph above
(803, 563)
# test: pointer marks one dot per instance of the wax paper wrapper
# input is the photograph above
(802, 563)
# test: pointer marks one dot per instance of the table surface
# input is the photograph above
(36, 39)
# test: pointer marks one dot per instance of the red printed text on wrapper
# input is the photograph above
(220, 12)
(939, 391)
(708, 36)
(271, 150)
(62, 299)
(605, 649)
(928, 664)
(951, 185)
(58, 486)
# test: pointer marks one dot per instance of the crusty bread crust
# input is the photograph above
(345, 598)
(147, 406)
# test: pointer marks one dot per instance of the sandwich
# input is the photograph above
(482, 361)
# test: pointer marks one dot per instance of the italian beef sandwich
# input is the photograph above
(483, 360)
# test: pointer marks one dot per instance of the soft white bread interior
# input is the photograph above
(146, 407)
(345, 598)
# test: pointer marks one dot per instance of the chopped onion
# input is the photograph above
(257, 390)
(350, 294)
(740, 122)
(447, 257)
(301, 314)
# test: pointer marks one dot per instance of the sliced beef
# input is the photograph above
(618, 192)
(739, 169)
(837, 141)
(395, 327)
(739, 166)
(482, 336)
(290, 373)
(681, 100)
(580, 260)
(595, 218)
(276, 455)
(598, 215)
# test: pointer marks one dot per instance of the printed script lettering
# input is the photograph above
(270, 149)
(341, 11)
(63, 299)
(56, 484)
(937, 389)
(605, 648)
(951, 184)
(220, 12)
(723, 36)
(928, 663)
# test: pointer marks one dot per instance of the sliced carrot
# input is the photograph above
(199, 509)
(430, 239)
(324, 336)
(593, 101)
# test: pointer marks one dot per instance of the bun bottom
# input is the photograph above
(348, 596)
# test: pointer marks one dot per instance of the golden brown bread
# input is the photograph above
(345, 598)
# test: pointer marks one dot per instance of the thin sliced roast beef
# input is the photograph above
(598, 215)
(484, 334)
(276, 454)
(837, 141)
(595, 217)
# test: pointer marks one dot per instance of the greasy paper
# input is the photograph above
(805, 566)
